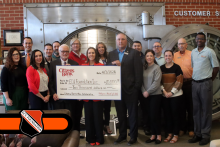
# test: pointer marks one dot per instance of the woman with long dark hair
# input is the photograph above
(13, 82)
(153, 96)
(38, 82)
(172, 81)
(93, 108)
(101, 51)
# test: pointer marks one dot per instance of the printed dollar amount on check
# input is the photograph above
(89, 82)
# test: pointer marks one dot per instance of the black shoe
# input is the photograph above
(195, 139)
(147, 131)
(149, 140)
(119, 140)
(204, 141)
(132, 141)
(157, 141)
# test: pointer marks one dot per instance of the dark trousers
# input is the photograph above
(145, 113)
(153, 105)
(202, 107)
(79, 107)
(171, 108)
(106, 110)
(187, 123)
(50, 103)
(36, 102)
(132, 106)
(94, 121)
(71, 106)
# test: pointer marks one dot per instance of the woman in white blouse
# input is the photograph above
(37, 82)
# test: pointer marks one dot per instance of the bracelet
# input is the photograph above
(172, 92)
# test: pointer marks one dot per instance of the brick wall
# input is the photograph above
(213, 20)
(11, 16)
(11, 12)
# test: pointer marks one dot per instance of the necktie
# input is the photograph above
(28, 60)
(64, 63)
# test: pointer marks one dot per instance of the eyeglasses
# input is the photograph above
(15, 54)
(75, 44)
(156, 46)
(64, 52)
(181, 43)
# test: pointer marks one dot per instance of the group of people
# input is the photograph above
(155, 80)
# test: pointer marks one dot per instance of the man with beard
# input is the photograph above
(145, 119)
(56, 45)
(205, 68)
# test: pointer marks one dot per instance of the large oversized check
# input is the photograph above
(89, 82)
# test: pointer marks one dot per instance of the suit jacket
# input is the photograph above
(131, 70)
(46, 65)
(52, 74)
(23, 58)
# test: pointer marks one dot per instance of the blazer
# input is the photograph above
(96, 64)
(46, 66)
(53, 74)
(23, 58)
(131, 70)
(33, 79)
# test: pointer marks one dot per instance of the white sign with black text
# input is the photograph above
(89, 82)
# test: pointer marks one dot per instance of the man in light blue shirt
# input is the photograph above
(159, 56)
(205, 68)
(131, 82)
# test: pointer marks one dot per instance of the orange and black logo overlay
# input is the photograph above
(34, 122)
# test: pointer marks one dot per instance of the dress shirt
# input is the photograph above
(160, 60)
(62, 62)
(121, 54)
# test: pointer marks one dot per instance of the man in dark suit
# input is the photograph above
(48, 50)
(62, 104)
(131, 80)
(26, 55)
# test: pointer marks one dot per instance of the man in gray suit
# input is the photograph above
(131, 80)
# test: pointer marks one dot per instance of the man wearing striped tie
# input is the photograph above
(26, 55)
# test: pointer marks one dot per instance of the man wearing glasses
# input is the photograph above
(62, 104)
(205, 68)
(159, 56)
(183, 59)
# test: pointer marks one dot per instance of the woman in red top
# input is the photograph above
(80, 58)
(37, 82)
(76, 54)
(93, 108)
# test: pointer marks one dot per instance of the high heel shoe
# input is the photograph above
(97, 143)
(92, 144)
